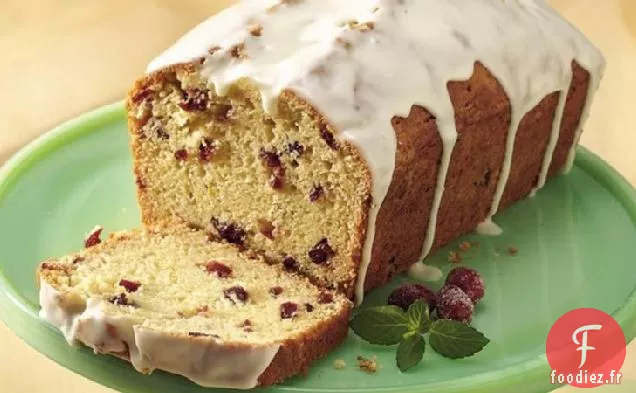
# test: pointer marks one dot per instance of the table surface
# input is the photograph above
(65, 57)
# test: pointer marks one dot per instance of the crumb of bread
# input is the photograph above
(367, 365)
(512, 250)
(339, 364)
(465, 246)
(454, 257)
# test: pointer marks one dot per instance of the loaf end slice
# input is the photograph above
(174, 301)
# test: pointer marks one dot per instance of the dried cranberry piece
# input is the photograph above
(221, 270)
(277, 180)
(247, 326)
(237, 292)
(325, 298)
(207, 150)
(266, 228)
(309, 307)
(453, 303)
(328, 137)
(295, 147)
(275, 291)
(406, 295)
(316, 192)
(288, 310)
(469, 280)
(290, 264)
(120, 300)
(130, 286)
(181, 154)
(194, 100)
(141, 95)
(230, 232)
(269, 158)
(93, 237)
(321, 252)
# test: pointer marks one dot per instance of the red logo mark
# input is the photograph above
(586, 348)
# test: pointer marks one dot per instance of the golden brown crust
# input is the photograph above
(482, 118)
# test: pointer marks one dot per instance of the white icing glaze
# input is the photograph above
(203, 360)
(488, 228)
(414, 49)
(422, 272)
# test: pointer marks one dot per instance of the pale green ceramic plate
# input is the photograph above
(575, 240)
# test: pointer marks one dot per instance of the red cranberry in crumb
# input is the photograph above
(325, 298)
(130, 286)
(406, 295)
(206, 150)
(270, 159)
(277, 179)
(120, 300)
(93, 238)
(288, 310)
(309, 307)
(181, 154)
(469, 280)
(221, 270)
(194, 100)
(229, 232)
(453, 303)
(328, 137)
(290, 264)
(321, 252)
(275, 291)
(316, 192)
(237, 292)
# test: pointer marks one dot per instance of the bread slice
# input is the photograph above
(172, 300)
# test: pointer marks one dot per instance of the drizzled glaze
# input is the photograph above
(206, 361)
(396, 54)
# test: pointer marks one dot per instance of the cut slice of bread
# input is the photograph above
(172, 300)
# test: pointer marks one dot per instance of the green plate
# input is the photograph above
(575, 241)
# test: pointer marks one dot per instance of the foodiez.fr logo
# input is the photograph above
(586, 348)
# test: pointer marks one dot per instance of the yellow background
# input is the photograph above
(61, 58)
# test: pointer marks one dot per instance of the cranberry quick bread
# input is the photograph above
(349, 139)
(177, 302)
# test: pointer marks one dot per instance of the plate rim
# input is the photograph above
(508, 377)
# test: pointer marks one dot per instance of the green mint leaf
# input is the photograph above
(384, 325)
(410, 351)
(455, 340)
(419, 318)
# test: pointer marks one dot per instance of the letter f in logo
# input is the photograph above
(583, 344)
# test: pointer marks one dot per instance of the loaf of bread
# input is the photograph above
(350, 139)
(172, 300)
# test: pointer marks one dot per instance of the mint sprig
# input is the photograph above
(455, 340)
(390, 325)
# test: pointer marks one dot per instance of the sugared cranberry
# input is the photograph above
(221, 270)
(295, 147)
(120, 300)
(194, 100)
(237, 292)
(181, 154)
(328, 137)
(230, 232)
(469, 280)
(325, 298)
(321, 252)
(290, 264)
(206, 150)
(270, 159)
(309, 307)
(275, 291)
(453, 303)
(316, 192)
(406, 295)
(288, 310)
(130, 286)
(93, 238)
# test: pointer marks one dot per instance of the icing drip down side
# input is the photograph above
(362, 62)
(204, 360)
